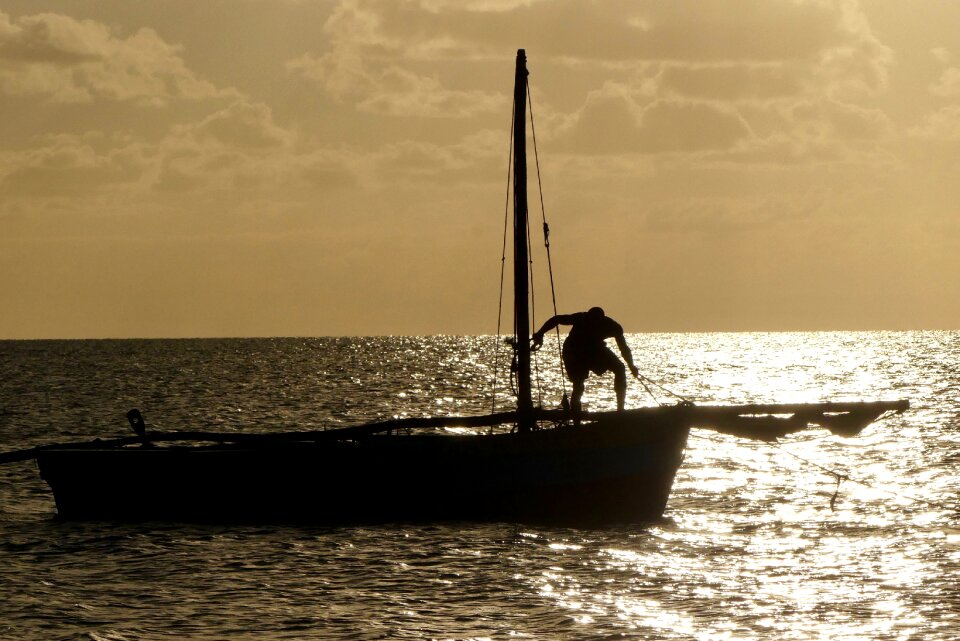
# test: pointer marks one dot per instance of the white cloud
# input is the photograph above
(391, 89)
(733, 81)
(474, 158)
(70, 165)
(366, 67)
(712, 216)
(240, 145)
(618, 32)
(699, 61)
(67, 60)
(403, 93)
(832, 120)
(244, 125)
(948, 84)
(690, 126)
(941, 125)
(613, 122)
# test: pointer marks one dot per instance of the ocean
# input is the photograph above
(759, 541)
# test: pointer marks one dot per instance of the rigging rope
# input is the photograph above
(649, 391)
(503, 263)
(533, 314)
(546, 242)
(840, 477)
(646, 379)
(846, 477)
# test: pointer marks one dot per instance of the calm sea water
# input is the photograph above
(750, 547)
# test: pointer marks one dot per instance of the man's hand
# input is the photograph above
(537, 340)
(634, 370)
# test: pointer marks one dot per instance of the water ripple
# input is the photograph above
(759, 541)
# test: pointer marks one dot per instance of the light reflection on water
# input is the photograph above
(751, 547)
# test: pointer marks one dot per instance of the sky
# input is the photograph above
(316, 168)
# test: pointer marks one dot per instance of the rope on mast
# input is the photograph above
(546, 241)
(533, 314)
(503, 265)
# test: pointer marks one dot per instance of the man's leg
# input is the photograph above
(620, 385)
(578, 386)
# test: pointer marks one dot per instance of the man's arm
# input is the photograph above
(559, 319)
(627, 355)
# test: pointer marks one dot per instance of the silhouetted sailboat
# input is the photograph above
(606, 467)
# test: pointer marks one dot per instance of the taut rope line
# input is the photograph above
(546, 240)
(503, 264)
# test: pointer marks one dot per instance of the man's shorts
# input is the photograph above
(580, 360)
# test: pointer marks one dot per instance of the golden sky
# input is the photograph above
(300, 168)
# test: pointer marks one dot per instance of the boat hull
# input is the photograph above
(611, 471)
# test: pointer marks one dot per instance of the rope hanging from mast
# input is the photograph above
(546, 240)
(503, 266)
(525, 96)
(533, 315)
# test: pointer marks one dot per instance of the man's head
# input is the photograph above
(595, 312)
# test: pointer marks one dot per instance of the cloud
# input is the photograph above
(836, 54)
(616, 32)
(52, 38)
(733, 82)
(948, 84)
(403, 93)
(477, 5)
(689, 126)
(67, 60)
(476, 157)
(940, 54)
(240, 145)
(856, 62)
(612, 122)
(698, 61)
(244, 125)
(392, 90)
(942, 125)
(839, 121)
(328, 170)
(364, 67)
(70, 165)
(811, 132)
(713, 216)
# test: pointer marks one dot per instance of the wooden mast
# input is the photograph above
(521, 291)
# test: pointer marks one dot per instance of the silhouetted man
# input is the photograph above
(585, 351)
